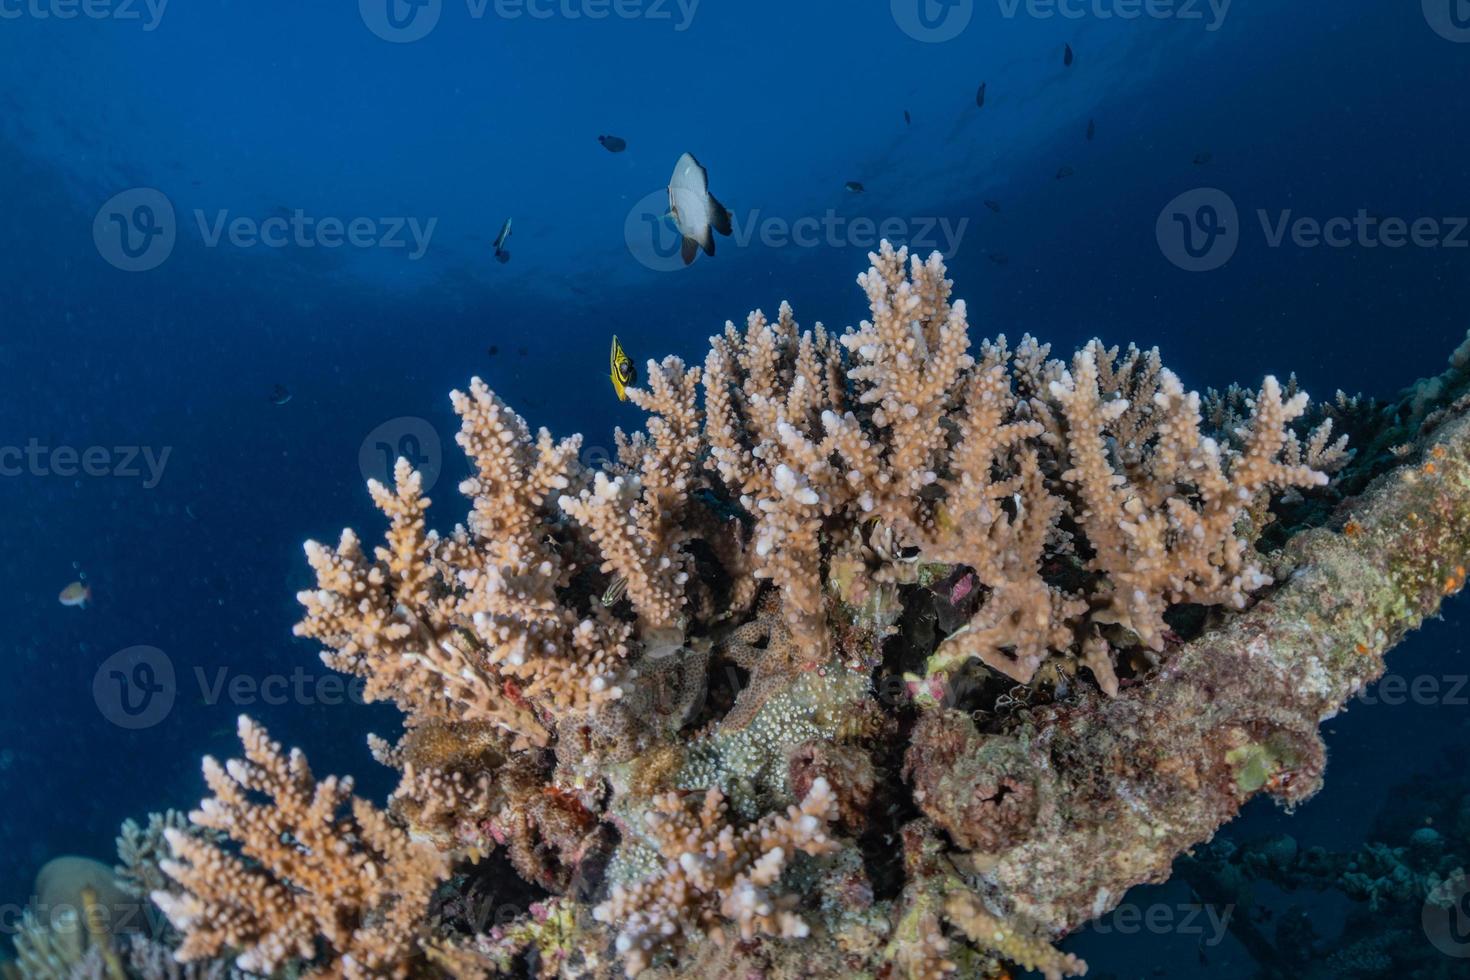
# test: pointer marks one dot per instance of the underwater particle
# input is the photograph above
(993, 206)
(1203, 157)
(76, 595)
(694, 209)
(502, 255)
(1064, 173)
(624, 375)
(1091, 129)
(855, 186)
(613, 144)
(279, 395)
(980, 96)
(1068, 57)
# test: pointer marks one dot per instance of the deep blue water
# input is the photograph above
(256, 110)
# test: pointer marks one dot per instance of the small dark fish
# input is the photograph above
(999, 258)
(1064, 173)
(1200, 159)
(1091, 130)
(279, 395)
(908, 120)
(980, 96)
(855, 186)
(613, 144)
(502, 254)
(522, 351)
(1068, 57)
(993, 205)
(492, 350)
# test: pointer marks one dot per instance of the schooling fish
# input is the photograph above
(1091, 130)
(502, 255)
(907, 119)
(1200, 159)
(280, 395)
(993, 205)
(855, 187)
(1068, 57)
(613, 144)
(694, 209)
(76, 595)
(1064, 173)
(624, 374)
(980, 96)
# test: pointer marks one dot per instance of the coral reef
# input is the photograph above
(1413, 865)
(794, 687)
(310, 883)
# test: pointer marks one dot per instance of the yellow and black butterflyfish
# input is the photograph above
(624, 374)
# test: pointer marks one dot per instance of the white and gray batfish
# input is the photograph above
(694, 209)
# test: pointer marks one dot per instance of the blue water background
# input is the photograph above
(261, 108)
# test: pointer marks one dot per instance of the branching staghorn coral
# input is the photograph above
(470, 627)
(905, 506)
(635, 518)
(713, 873)
(341, 892)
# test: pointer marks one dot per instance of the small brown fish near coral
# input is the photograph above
(694, 209)
(76, 596)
